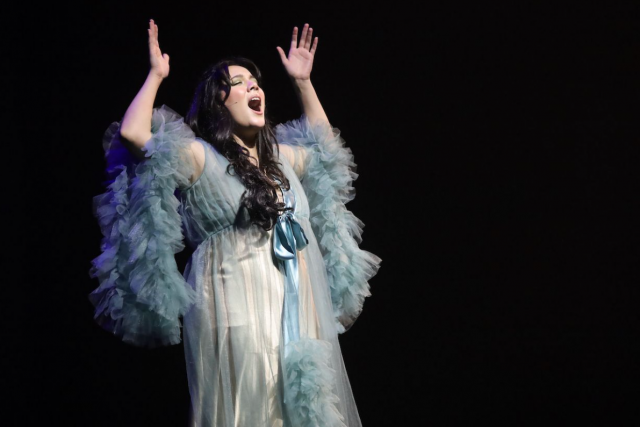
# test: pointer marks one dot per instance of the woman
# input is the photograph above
(263, 300)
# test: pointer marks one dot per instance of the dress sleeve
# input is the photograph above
(327, 171)
(142, 293)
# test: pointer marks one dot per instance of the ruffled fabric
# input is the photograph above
(327, 179)
(309, 383)
(142, 294)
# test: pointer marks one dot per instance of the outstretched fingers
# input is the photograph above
(303, 37)
(153, 30)
(154, 46)
(309, 39)
(294, 39)
(283, 56)
(307, 42)
(159, 61)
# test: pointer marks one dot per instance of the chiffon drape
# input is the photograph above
(231, 298)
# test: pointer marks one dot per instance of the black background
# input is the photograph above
(497, 149)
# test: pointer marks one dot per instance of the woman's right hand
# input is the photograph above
(159, 61)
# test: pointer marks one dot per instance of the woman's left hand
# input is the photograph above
(300, 60)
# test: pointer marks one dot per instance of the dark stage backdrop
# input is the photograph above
(497, 150)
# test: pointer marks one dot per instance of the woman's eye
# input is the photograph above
(235, 83)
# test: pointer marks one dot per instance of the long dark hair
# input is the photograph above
(211, 121)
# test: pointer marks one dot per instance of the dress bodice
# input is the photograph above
(212, 202)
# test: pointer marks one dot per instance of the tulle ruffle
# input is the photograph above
(309, 382)
(142, 293)
(328, 183)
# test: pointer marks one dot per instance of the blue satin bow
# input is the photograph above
(289, 238)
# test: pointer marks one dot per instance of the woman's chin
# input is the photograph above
(249, 129)
(258, 122)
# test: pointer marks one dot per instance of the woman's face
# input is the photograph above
(245, 101)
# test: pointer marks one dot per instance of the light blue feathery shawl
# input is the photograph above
(142, 293)
(328, 184)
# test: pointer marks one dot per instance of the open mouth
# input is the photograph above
(255, 104)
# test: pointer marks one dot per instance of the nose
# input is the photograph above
(251, 85)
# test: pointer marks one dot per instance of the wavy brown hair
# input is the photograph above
(211, 121)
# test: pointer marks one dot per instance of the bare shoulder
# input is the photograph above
(198, 157)
(296, 156)
(288, 153)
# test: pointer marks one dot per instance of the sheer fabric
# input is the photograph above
(240, 372)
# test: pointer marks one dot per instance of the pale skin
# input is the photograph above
(136, 124)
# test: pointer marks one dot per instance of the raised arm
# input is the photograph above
(298, 64)
(136, 124)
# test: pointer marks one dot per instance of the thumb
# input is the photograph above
(283, 57)
(166, 56)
